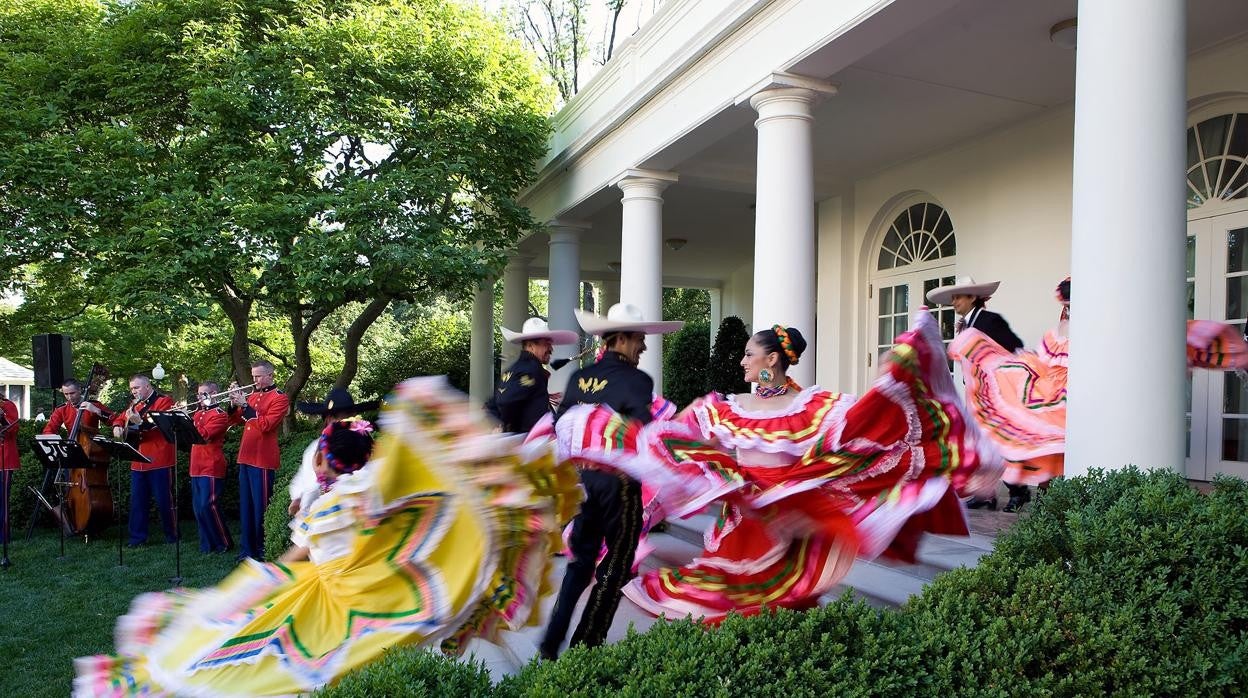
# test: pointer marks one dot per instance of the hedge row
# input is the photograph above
(1124, 583)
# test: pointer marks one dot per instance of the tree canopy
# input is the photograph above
(288, 159)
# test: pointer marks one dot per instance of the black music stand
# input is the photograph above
(124, 452)
(56, 454)
(178, 429)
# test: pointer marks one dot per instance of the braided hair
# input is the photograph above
(788, 342)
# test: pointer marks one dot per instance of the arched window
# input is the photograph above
(921, 233)
(915, 256)
(1217, 160)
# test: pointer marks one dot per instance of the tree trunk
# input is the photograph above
(355, 334)
(301, 332)
(238, 311)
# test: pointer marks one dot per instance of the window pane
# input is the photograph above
(1236, 250)
(886, 300)
(1236, 301)
(1235, 439)
(885, 335)
(900, 324)
(1232, 393)
(947, 323)
(1191, 257)
(1191, 301)
(901, 299)
(1193, 155)
(888, 260)
(1212, 134)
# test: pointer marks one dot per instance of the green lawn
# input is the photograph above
(53, 610)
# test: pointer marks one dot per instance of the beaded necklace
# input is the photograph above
(765, 392)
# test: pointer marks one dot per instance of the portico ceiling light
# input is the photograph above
(613, 266)
(674, 244)
(1064, 33)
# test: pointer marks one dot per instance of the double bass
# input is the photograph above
(87, 500)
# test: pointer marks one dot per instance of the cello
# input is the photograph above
(87, 499)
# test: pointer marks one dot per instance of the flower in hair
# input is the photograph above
(785, 343)
(361, 426)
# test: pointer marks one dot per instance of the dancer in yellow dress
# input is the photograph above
(445, 534)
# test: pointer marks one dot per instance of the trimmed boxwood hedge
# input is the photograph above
(1124, 583)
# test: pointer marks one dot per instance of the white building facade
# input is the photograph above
(823, 163)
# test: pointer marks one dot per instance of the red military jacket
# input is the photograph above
(208, 459)
(64, 415)
(152, 443)
(259, 445)
(8, 443)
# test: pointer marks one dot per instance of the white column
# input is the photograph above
(641, 255)
(481, 349)
(515, 301)
(1127, 237)
(785, 250)
(565, 289)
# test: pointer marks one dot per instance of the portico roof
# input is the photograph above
(914, 76)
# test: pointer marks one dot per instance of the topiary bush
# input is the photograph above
(1119, 583)
(685, 365)
(724, 375)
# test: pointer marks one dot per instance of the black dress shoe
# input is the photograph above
(978, 503)
(1018, 497)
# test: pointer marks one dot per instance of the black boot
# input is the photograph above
(1019, 495)
(981, 503)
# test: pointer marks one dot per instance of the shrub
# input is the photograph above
(435, 346)
(724, 374)
(413, 671)
(685, 365)
(1122, 583)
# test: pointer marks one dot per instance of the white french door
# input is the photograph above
(1217, 289)
(892, 299)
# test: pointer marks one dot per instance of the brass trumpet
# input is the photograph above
(200, 402)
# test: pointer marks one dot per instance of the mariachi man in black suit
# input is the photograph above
(522, 397)
(968, 299)
(611, 512)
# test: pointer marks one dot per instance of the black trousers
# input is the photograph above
(611, 513)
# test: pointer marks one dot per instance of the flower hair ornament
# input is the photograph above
(339, 463)
(785, 343)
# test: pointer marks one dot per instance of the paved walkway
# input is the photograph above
(882, 583)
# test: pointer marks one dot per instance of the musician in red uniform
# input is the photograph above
(8, 460)
(260, 413)
(208, 470)
(64, 415)
(148, 480)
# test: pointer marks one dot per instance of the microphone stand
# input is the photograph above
(177, 529)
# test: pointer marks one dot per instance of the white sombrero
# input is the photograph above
(964, 285)
(623, 317)
(536, 328)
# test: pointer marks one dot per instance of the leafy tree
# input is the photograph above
(688, 304)
(725, 375)
(264, 159)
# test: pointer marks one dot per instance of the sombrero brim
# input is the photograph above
(557, 337)
(944, 294)
(598, 325)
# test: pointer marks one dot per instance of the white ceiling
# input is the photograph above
(979, 66)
